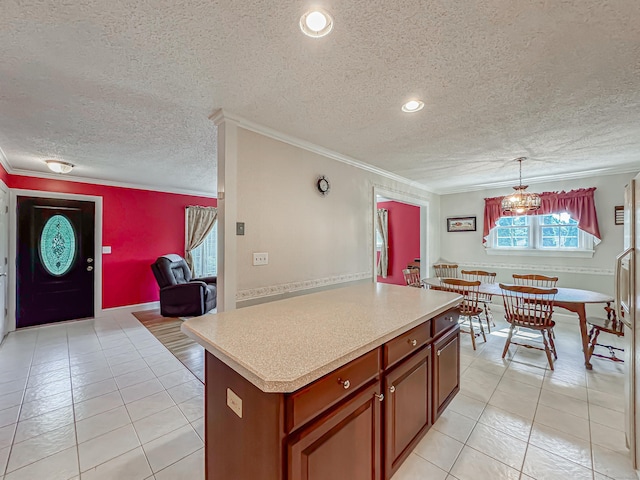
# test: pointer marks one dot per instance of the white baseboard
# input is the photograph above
(133, 308)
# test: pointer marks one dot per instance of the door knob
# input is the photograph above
(89, 268)
(392, 389)
(380, 397)
(3, 274)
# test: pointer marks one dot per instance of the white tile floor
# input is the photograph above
(103, 399)
(97, 399)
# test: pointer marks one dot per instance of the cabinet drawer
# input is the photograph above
(445, 321)
(411, 341)
(309, 401)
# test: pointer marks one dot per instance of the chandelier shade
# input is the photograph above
(520, 201)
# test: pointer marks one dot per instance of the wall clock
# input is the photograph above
(323, 185)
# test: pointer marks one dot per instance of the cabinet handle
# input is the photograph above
(450, 319)
(392, 389)
(345, 383)
(413, 342)
(379, 397)
(438, 352)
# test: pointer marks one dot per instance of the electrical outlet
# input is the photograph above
(261, 258)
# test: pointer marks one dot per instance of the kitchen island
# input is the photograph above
(337, 384)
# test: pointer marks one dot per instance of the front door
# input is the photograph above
(55, 260)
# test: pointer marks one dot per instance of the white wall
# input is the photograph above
(594, 273)
(312, 241)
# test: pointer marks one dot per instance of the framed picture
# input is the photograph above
(461, 224)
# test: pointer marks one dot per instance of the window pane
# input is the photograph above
(520, 221)
(505, 221)
(550, 242)
(205, 255)
(505, 242)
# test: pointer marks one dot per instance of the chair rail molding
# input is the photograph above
(540, 267)
(281, 289)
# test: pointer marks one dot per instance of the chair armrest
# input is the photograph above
(206, 280)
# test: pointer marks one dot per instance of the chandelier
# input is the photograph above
(521, 201)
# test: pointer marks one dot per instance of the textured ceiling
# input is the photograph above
(124, 89)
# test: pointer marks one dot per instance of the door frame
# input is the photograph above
(425, 206)
(7, 318)
(13, 242)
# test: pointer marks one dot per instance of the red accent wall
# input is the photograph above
(139, 225)
(404, 239)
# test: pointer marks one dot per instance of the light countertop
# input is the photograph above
(284, 345)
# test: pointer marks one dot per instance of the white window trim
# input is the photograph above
(586, 240)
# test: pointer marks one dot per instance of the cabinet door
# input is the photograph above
(446, 371)
(407, 407)
(344, 443)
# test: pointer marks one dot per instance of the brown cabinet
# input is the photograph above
(446, 371)
(407, 409)
(342, 444)
(359, 422)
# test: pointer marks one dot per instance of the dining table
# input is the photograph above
(571, 299)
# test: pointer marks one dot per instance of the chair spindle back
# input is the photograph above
(528, 306)
(533, 280)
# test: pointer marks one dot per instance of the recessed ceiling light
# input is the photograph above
(316, 23)
(59, 166)
(412, 106)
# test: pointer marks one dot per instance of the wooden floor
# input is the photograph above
(167, 330)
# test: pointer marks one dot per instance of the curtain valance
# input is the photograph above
(580, 204)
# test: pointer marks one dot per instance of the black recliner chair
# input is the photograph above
(181, 295)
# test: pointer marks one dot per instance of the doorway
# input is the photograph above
(55, 260)
(407, 234)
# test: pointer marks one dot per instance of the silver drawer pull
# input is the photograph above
(379, 397)
(413, 342)
(392, 389)
(438, 352)
(450, 319)
(345, 383)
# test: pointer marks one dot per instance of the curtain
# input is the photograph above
(200, 221)
(580, 204)
(382, 226)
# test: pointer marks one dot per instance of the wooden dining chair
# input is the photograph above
(446, 270)
(532, 308)
(412, 277)
(608, 324)
(533, 280)
(484, 298)
(469, 308)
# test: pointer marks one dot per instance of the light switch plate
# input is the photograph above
(106, 250)
(234, 402)
(239, 228)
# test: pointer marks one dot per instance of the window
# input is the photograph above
(540, 234)
(205, 258)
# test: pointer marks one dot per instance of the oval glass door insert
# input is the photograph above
(58, 245)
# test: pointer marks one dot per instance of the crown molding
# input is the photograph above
(220, 116)
(616, 170)
(97, 181)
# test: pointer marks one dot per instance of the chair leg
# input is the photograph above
(484, 337)
(508, 342)
(593, 340)
(552, 343)
(487, 314)
(546, 348)
(473, 333)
